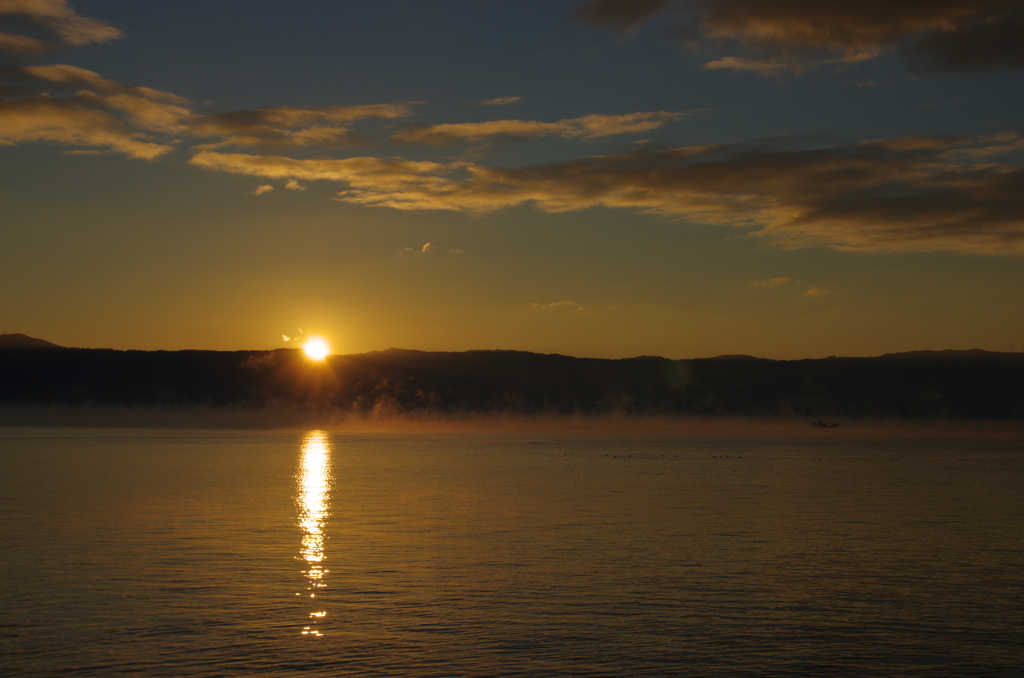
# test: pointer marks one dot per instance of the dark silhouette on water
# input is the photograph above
(951, 384)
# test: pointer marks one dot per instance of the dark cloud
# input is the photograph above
(946, 35)
(622, 14)
(994, 43)
(908, 194)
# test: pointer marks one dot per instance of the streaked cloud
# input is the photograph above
(106, 113)
(292, 126)
(565, 305)
(500, 101)
(916, 193)
(937, 36)
(49, 24)
(73, 121)
(144, 107)
(260, 190)
(789, 286)
(430, 249)
(361, 172)
(72, 77)
(762, 66)
(770, 282)
(586, 127)
(902, 194)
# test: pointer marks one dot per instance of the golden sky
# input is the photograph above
(597, 178)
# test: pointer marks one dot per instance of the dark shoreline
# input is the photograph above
(284, 385)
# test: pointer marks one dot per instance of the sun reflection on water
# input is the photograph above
(313, 499)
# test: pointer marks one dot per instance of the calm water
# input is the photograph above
(170, 553)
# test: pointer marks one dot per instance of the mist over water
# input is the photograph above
(480, 553)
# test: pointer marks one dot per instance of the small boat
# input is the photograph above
(824, 424)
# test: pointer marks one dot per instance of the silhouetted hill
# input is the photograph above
(18, 340)
(951, 384)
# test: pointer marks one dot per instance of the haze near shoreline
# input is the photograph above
(41, 384)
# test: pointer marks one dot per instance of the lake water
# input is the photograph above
(212, 553)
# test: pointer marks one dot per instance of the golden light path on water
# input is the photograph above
(313, 499)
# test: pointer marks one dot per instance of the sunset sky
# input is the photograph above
(789, 179)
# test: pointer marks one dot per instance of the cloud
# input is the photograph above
(565, 304)
(762, 66)
(293, 185)
(40, 117)
(586, 127)
(938, 36)
(362, 173)
(430, 249)
(73, 77)
(500, 101)
(260, 190)
(771, 282)
(292, 126)
(990, 44)
(104, 112)
(788, 283)
(626, 15)
(916, 193)
(51, 24)
(154, 111)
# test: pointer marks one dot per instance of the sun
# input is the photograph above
(316, 348)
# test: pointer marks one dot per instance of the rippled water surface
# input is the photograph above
(171, 553)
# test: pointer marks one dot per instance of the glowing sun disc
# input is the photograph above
(316, 349)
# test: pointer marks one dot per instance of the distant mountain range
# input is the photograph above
(24, 341)
(971, 384)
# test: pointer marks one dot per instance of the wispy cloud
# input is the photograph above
(944, 36)
(49, 24)
(103, 112)
(500, 101)
(67, 76)
(73, 121)
(292, 126)
(564, 305)
(586, 127)
(788, 285)
(430, 249)
(914, 193)
(770, 282)
(260, 190)
(903, 194)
